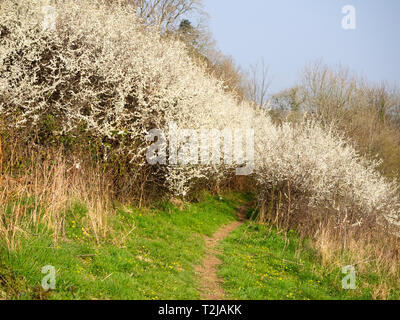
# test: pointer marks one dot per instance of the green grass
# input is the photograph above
(150, 254)
(260, 263)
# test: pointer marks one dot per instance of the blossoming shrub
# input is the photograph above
(323, 168)
(102, 76)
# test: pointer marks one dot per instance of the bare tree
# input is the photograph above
(224, 68)
(166, 14)
(258, 83)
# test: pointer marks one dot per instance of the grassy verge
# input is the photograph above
(261, 263)
(150, 254)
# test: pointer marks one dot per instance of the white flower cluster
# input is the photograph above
(100, 67)
(326, 168)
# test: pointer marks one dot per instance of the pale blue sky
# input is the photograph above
(291, 33)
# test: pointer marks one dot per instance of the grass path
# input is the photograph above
(154, 261)
(210, 282)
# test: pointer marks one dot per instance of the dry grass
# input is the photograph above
(38, 190)
(373, 253)
(339, 240)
